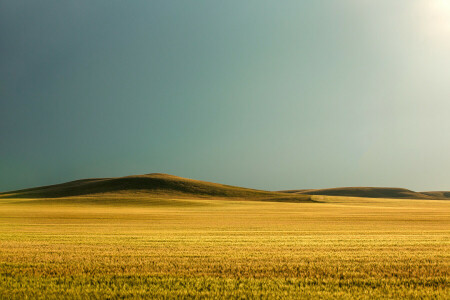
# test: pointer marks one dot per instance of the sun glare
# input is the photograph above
(435, 18)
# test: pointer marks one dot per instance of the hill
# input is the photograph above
(438, 194)
(151, 185)
(372, 192)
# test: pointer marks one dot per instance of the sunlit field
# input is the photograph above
(169, 248)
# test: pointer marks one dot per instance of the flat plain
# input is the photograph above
(133, 246)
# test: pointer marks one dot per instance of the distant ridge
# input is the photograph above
(158, 185)
(154, 184)
(438, 194)
(373, 192)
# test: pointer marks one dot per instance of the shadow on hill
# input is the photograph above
(151, 185)
(373, 192)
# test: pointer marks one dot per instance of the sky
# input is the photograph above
(263, 94)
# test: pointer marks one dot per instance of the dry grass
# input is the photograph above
(374, 192)
(188, 248)
(147, 187)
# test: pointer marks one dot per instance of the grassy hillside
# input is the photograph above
(149, 186)
(339, 248)
(162, 236)
(158, 185)
(438, 194)
(373, 192)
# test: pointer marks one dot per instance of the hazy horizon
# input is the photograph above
(266, 95)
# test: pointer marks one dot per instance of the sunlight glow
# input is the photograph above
(435, 17)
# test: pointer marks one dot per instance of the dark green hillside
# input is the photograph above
(155, 184)
(373, 192)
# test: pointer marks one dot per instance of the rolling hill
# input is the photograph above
(158, 185)
(373, 192)
(151, 185)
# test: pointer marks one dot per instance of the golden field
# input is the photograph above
(128, 246)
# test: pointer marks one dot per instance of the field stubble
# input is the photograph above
(340, 247)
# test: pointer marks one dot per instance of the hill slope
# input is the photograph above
(373, 192)
(155, 184)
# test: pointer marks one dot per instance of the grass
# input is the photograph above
(148, 186)
(374, 192)
(338, 247)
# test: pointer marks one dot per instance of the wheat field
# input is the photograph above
(338, 247)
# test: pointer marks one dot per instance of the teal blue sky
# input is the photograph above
(263, 94)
